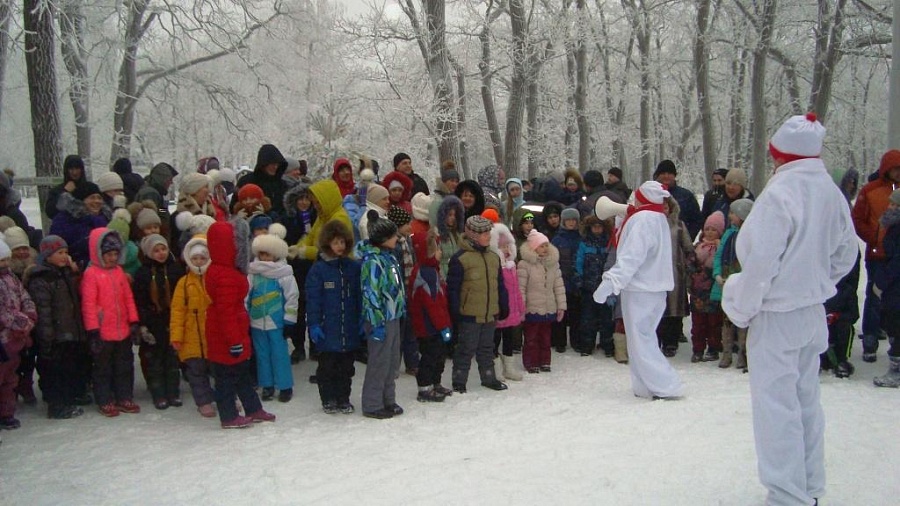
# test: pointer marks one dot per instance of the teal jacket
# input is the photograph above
(383, 286)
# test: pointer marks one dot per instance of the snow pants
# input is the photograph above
(113, 371)
(409, 345)
(8, 381)
(431, 366)
(379, 387)
(706, 331)
(536, 348)
(567, 330)
(197, 372)
(475, 340)
(63, 374)
(273, 362)
(595, 318)
(162, 372)
(651, 373)
(334, 376)
(788, 420)
(234, 381)
(871, 316)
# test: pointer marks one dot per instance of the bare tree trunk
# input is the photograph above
(571, 116)
(829, 35)
(581, 72)
(616, 113)
(75, 56)
(893, 140)
(5, 14)
(126, 94)
(487, 92)
(736, 154)
(532, 112)
(701, 75)
(518, 87)
(758, 135)
(41, 68)
(439, 69)
(461, 120)
(641, 27)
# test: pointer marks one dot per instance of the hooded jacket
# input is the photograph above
(478, 207)
(541, 284)
(155, 187)
(55, 293)
(227, 321)
(566, 243)
(50, 207)
(383, 289)
(130, 181)
(273, 297)
(508, 253)
(187, 323)
(449, 238)
(334, 302)
(889, 280)
(329, 197)
(346, 188)
(74, 224)
(17, 314)
(107, 303)
(428, 292)
(296, 222)
(871, 203)
(401, 178)
(273, 186)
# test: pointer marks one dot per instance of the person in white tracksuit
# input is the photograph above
(794, 247)
(641, 277)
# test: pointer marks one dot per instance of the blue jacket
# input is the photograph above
(334, 302)
(889, 279)
(589, 261)
(690, 209)
(567, 241)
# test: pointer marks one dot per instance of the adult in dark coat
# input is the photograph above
(132, 182)
(403, 163)
(73, 177)
(9, 207)
(594, 188)
(714, 193)
(270, 167)
(80, 212)
(615, 183)
(690, 210)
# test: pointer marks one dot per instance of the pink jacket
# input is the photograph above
(17, 313)
(107, 303)
(504, 244)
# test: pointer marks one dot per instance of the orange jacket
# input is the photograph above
(871, 203)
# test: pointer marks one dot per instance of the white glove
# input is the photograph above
(510, 264)
(603, 292)
(876, 290)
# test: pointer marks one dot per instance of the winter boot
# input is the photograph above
(844, 369)
(870, 348)
(509, 369)
(25, 389)
(441, 389)
(261, 415)
(429, 394)
(621, 348)
(892, 378)
(489, 379)
(741, 362)
(286, 395)
(207, 410)
(727, 347)
(268, 393)
(238, 422)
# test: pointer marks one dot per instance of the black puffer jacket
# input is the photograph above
(273, 186)
(55, 293)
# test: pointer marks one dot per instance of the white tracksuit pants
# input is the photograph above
(651, 373)
(788, 421)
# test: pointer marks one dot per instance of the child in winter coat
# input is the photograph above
(272, 303)
(509, 330)
(187, 324)
(725, 264)
(298, 219)
(399, 187)
(706, 314)
(841, 313)
(334, 306)
(384, 305)
(23, 257)
(409, 348)
(888, 284)
(450, 223)
(542, 287)
(154, 285)
(111, 322)
(63, 360)
(566, 242)
(478, 299)
(429, 315)
(17, 317)
(227, 322)
(589, 261)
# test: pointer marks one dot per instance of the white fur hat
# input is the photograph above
(652, 192)
(277, 229)
(15, 237)
(270, 244)
(800, 136)
(5, 252)
(420, 204)
(226, 175)
(192, 183)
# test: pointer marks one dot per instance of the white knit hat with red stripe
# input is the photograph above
(651, 191)
(799, 137)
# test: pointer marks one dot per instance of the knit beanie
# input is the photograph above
(375, 193)
(420, 205)
(258, 221)
(271, 244)
(615, 171)
(723, 173)
(399, 157)
(250, 191)
(121, 226)
(150, 242)
(651, 192)
(398, 216)
(569, 213)
(51, 244)
(736, 176)
(5, 252)
(716, 220)
(895, 197)
(15, 237)
(449, 175)
(111, 242)
(147, 217)
(799, 137)
(6, 222)
(85, 190)
(535, 239)
(741, 207)
(109, 181)
(593, 178)
(478, 224)
(380, 229)
(665, 167)
(192, 183)
(492, 215)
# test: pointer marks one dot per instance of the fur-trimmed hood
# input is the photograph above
(293, 195)
(451, 202)
(508, 253)
(401, 178)
(229, 244)
(186, 254)
(529, 255)
(476, 190)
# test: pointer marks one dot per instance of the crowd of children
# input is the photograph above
(418, 278)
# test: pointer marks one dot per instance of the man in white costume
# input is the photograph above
(795, 245)
(641, 277)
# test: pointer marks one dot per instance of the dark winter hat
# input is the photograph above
(73, 162)
(380, 229)
(399, 157)
(258, 221)
(269, 154)
(615, 171)
(398, 216)
(569, 213)
(111, 242)
(122, 166)
(721, 172)
(479, 224)
(85, 190)
(593, 179)
(51, 244)
(665, 167)
(449, 175)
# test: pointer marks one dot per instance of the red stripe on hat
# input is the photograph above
(787, 157)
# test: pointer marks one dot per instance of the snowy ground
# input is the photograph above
(573, 436)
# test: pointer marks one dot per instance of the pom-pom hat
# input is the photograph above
(799, 137)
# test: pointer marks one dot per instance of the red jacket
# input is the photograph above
(871, 203)
(428, 306)
(227, 321)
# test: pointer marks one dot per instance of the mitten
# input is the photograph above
(602, 293)
(378, 333)
(445, 335)
(316, 334)
(135, 333)
(147, 336)
(832, 317)
(236, 350)
(289, 330)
